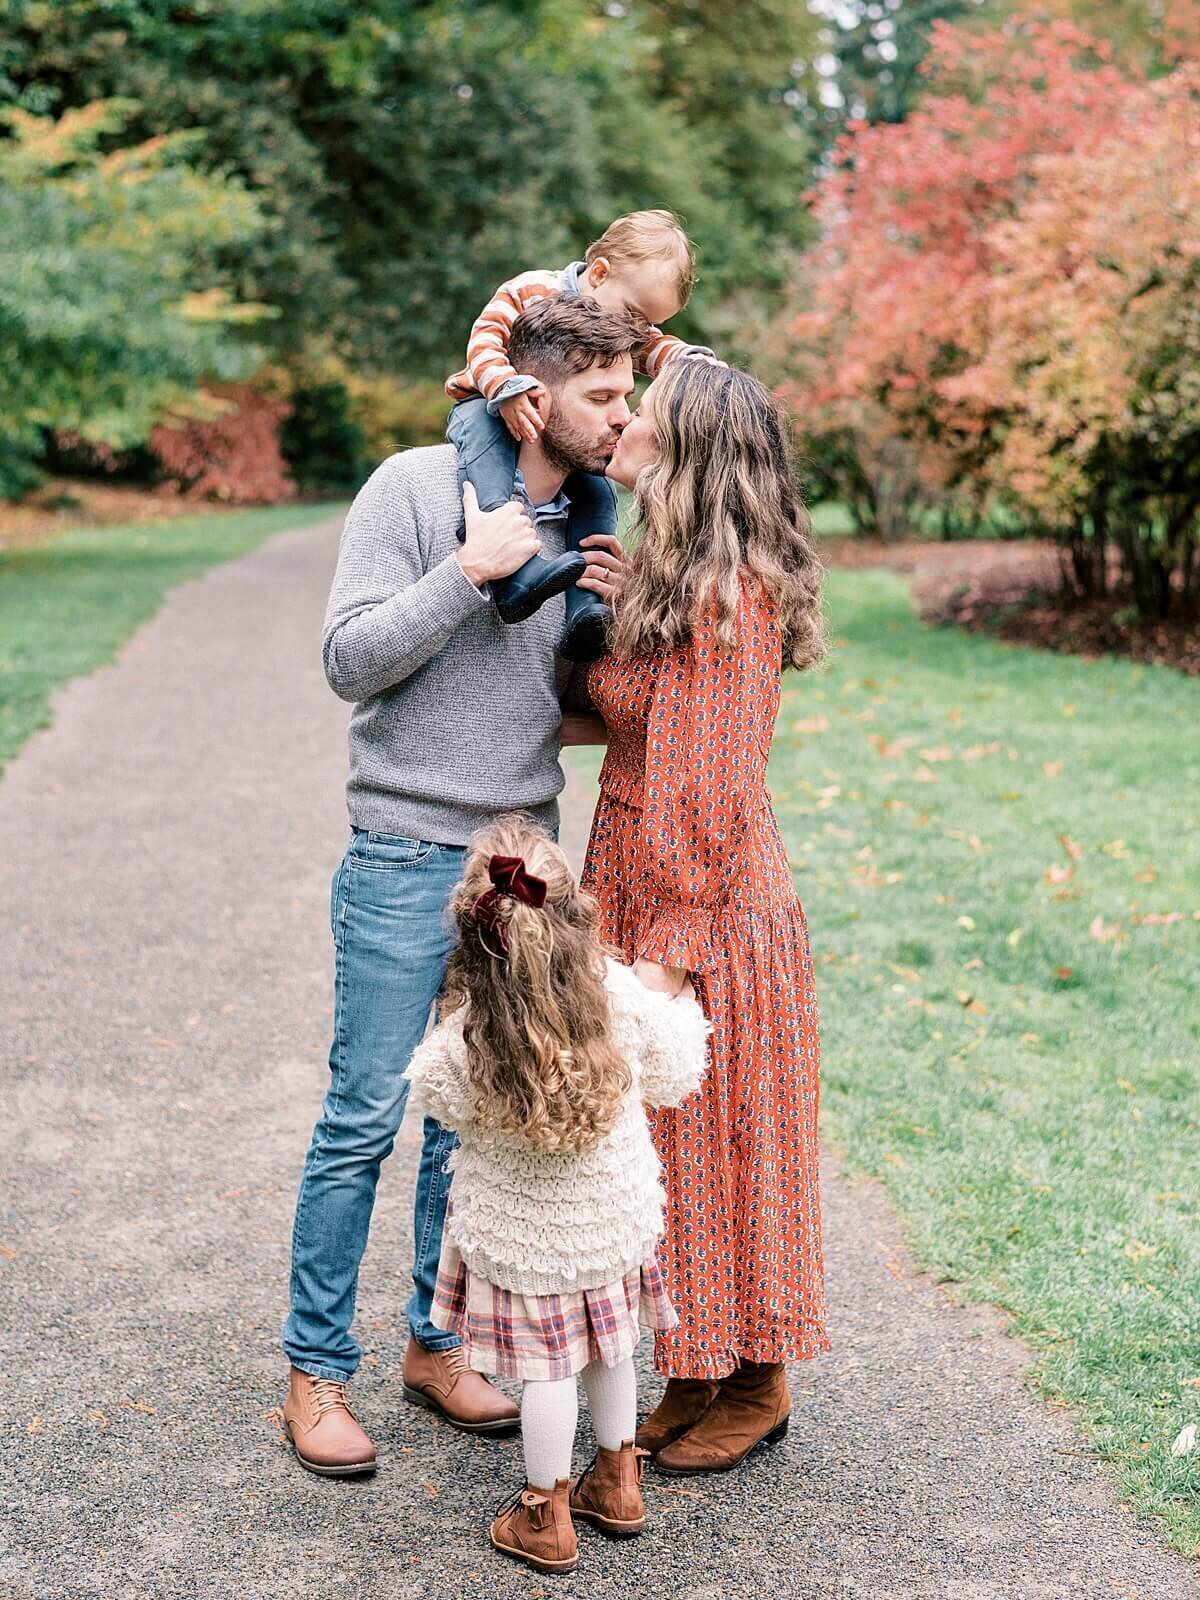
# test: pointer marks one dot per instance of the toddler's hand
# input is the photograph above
(521, 415)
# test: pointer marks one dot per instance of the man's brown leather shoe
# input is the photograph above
(608, 1494)
(324, 1431)
(681, 1407)
(751, 1408)
(536, 1527)
(440, 1380)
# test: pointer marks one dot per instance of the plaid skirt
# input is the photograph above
(546, 1336)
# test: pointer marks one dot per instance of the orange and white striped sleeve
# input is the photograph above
(660, 347)
(488, 367)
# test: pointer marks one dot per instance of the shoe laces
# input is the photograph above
(514, 1500)
(329, 1395)
(456, 1362)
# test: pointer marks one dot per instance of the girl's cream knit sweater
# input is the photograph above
(548, 1222)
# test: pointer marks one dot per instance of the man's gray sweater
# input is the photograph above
(457, 714)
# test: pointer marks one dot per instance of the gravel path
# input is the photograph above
(165, 853)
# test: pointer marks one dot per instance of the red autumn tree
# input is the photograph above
(228, 452)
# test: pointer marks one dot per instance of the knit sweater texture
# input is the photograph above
(457, 714)
(541, 1222)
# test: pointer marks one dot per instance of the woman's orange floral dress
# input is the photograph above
(686, 860)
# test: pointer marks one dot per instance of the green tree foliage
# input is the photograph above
(112, 301)
(880, 47)
(407, 156)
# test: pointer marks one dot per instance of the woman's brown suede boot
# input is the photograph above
(751, 1409)
(608, 1494)
(681, 1407)
(535, 1526)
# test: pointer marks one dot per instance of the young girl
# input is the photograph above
(544, 1054)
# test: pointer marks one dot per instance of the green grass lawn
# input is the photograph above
(68, 605)
(987, 841)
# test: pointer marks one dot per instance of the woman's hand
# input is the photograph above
(670, 981)
(607, 568)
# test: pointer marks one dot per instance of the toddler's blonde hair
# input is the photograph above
(649, 236)
(536, 1018)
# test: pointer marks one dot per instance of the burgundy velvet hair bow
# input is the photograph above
(509, 878)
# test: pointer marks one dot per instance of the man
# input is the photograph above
(456, 720)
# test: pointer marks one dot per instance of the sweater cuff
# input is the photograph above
(676, 936)
(519, 383)
(451, 596)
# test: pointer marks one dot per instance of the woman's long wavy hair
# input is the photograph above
(536, 1019)
(720, 500)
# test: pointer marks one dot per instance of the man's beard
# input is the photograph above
(571, 450)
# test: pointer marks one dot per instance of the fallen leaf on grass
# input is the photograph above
(1184, 1441)
(1073, 850)
(811, 725)
(1064, 973)
(976, 752)
(1104, 932)
(939, 753)
(1158, 919)
(1136, 1250)
(1124, 1083)
(1052, 768)
(969, 1003)
(1031, 1038)
(1057, 874)
(1013, 939)
(925, 775)
(1146, 875)
(1117, 849)
(889, 749)
(893, 1158)
(968, 923)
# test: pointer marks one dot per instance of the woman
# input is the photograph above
(693, 881)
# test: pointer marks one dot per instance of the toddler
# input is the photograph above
(543, 1055)
(641, 263)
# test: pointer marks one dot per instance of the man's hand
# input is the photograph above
(497, 542)
(607, 568)
(521, 415)
(670, 981)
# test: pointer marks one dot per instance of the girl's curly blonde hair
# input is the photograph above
(536, 1018)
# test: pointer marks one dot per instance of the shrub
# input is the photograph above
(231, 452)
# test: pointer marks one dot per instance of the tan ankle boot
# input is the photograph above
(681, 1407)
(324, 1431)
(751, 1408)
(440, 1380)
(535, 1526)
(608, 1494)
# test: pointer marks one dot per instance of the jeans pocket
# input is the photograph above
(383, 852)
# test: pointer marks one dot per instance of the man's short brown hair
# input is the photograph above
(558, 337)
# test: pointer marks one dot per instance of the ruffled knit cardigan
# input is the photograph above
(549, 1222)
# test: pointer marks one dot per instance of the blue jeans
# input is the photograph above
(391, 938)
(489, 458)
